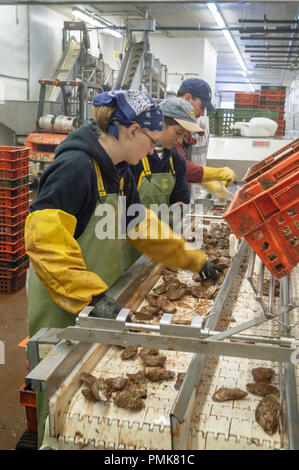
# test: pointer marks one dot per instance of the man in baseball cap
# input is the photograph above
(198, 93)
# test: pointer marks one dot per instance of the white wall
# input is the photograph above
(192, 56)
(46, 28)
(13, 52)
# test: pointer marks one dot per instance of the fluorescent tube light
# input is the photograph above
(95, 22)
(113, 32)
(221, 23)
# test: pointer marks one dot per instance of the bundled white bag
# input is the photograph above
(257, 127)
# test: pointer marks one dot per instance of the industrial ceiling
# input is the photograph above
(265, 35)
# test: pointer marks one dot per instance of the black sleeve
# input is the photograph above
(68, 184)
(180, 191)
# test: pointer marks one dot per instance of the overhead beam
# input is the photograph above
(116, 2)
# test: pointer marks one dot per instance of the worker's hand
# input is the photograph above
(105, 307)
(210, 270)
(226, 175)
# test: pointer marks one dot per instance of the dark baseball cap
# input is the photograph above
(200, 89)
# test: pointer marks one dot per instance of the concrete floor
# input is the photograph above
(13, 329)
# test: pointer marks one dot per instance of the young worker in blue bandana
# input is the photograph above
(71, 266)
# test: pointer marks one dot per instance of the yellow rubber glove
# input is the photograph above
(155, 239)
(219, 190)
(226, 175)
(57, 259)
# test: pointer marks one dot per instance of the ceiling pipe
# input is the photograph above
(270, 21)
(292, 38)
(265, 66)
(271, 55)
(267, 46)
(288, 61)
(266, 38)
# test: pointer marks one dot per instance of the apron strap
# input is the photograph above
(101, 188)
(146, 172)
(121, 186)
(172, 170)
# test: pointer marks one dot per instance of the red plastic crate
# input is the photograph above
(12, 237)
(12, 193)
(10, 221)
(272, 160)
(13, 272)
(14, 164)
(13, 174)
(14, 183)
(272, 103)
(4, 264)
(14, 201)
(269, 94)
(13, 211)
(246, 106)
(10, 285)
(266, 212)
(11, 256)
(247, 98)
(28, 400)
(12, 229)
(13, 153)
(11, 247)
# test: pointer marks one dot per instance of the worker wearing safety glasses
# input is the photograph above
(72, 263)
(160, 176)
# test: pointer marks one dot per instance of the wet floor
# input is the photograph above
(13, 329)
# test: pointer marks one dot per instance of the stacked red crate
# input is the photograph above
(265, 210)
(247, 100)
(14, 203)
(274, 98)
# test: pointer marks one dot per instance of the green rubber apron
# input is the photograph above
(103, 257)
(154, 188)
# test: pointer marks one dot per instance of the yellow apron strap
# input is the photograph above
(146, 166)
(146, 171)
(171, 165)
(122, 182)
(101, 189)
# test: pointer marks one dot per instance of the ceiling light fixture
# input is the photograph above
(221, 23)
(94, 21)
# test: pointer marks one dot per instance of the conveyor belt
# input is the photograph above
(79, 423)
(231, 424)
(100, 425)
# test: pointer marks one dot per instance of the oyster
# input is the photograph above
(224, 394)
(262, 374)
(159, 373)
(129, 353)
(267, 413)
(262, 389)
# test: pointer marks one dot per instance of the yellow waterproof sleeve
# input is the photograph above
(155, 239)
(226, 175)
(57, 259)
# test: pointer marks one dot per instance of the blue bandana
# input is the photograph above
(133, 106)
